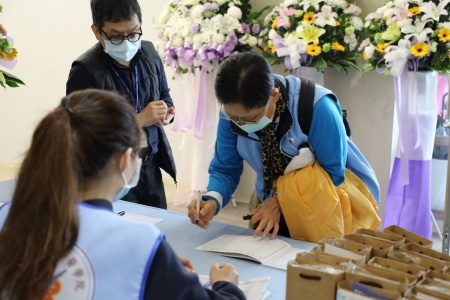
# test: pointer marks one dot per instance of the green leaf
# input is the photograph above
(274, 60)
(2, 80)
(253, 15)
(339, 68)
(11, 77)
(11, 83)
(367, 67)
(319, 63)
(349, 64)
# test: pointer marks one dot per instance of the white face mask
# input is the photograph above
(128, 186)
(263, 122)
(123, 52)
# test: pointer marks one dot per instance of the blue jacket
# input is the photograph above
(333, 150)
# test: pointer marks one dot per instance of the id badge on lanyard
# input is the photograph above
(137, 104)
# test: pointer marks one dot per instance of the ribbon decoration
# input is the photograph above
(397, 56)
(292, 49)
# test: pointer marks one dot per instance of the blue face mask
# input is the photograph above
(123, 52)
(128, 186)
(263, 122)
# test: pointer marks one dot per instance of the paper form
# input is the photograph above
(254, 289)
(269, 252)
(141, 218)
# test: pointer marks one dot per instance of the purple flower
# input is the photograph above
(228, 46)
(195, 28)
(245, 27)
(255, 28)
(215, 6)
(207, 6)
(233, 38)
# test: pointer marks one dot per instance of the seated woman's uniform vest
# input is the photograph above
(110, 260)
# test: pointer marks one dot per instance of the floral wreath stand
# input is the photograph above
(408, 201)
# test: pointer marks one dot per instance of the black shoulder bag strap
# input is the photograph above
(305, 104)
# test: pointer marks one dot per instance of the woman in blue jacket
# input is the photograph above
(60, 238)
(259, 124)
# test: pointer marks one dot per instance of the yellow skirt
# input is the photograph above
(315, 209)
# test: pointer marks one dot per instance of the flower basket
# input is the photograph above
(197, 33)
(319, 33)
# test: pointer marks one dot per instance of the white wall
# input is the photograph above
(50, 34)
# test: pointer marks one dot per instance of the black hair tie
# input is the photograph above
(65, 104)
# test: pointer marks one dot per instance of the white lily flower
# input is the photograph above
(418, 31)
(432, 11)
(326, 17)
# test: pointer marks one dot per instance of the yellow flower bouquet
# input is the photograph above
(411, 34)
(315, 33)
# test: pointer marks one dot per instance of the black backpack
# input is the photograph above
(305, 107)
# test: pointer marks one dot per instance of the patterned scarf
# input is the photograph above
(274, 161)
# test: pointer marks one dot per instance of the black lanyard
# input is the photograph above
(137, 104)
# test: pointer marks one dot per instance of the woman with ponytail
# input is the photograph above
(60, 238)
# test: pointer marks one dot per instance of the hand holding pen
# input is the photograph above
(201, 212)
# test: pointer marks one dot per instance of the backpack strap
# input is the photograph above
(305, 104)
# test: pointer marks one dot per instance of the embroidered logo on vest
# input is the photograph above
(73, 278)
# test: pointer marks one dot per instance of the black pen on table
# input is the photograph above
(247, 217)
(121, 213)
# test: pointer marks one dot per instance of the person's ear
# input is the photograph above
(97, 33)
(125, 159)
(275, 94)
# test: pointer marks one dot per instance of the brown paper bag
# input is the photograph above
(392, 238)
(344, 292)
(410, 236)
(320, 258)
(421, 250)
(379, 248)
(417, 259)
(311, 282)
(409, 269)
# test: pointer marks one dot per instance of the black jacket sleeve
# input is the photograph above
(167, 279)
(78, 79)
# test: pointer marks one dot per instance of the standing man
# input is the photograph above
(123, 63)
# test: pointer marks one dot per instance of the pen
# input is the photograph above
(121, 213)
(197, 207)
(247, 217)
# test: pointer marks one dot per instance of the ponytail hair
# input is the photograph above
(70, 146)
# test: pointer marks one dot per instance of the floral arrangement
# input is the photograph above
(198, 33)
(411, 34)
(8, 59)
(317, 33)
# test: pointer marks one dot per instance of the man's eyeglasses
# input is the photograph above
(241, 122)
(118, 39)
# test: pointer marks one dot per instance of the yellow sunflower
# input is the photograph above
(444, 35)
(309, 17)
(337, 46)
(314, 50)
(381, 47)
(274, 23)
(420, 49)
(12, 55)
(414, 10)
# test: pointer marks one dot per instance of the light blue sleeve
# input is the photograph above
(328, 138)
(226, 166)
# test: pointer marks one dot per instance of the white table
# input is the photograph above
(184, 237)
